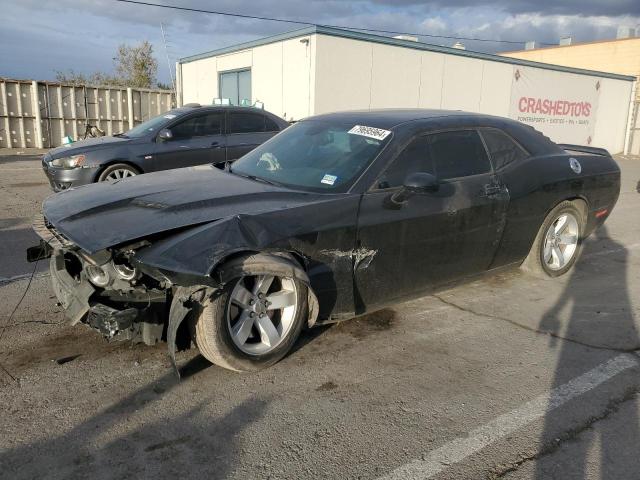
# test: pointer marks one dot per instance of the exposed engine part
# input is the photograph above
(97, 275)
(126, 271)
(110, 321)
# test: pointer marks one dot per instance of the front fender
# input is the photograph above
(188, 258)
(186, 299)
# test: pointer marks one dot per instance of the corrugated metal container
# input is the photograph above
(40, 114)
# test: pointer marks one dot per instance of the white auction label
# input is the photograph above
(371, 132)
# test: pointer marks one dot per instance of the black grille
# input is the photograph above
(45, 230)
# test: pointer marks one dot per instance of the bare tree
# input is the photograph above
(134, 65)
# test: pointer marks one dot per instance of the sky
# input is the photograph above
(40, 37)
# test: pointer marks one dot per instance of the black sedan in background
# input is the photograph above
(339, 215)
(186, 136)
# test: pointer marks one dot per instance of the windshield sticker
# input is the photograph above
(169, 117)
(329, 179)
(371, 132)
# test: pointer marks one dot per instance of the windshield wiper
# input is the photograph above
(256, 179)
(121, 134)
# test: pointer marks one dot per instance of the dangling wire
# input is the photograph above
(15, 309)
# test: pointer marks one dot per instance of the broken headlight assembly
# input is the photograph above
(124, 269)
(73, 161)
(98, 275)
(107, 273)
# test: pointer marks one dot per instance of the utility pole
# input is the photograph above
(166, 52)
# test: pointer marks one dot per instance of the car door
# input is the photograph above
(478, 200)
(247, 130)
(197, 139)
(430, 239)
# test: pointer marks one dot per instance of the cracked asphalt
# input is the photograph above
(507, 377)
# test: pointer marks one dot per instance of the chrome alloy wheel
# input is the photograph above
(561, 241)
(120, 173)
(261, 312)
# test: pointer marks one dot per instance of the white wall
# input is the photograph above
(395, 77)
(282, 75)
(266, 77)
(431, 75)
(353, 74)
(295, 79)
(613, 109)
(343, 74)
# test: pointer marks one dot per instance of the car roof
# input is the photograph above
(192, 107)
(389, 118)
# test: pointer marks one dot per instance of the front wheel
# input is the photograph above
(559, 240)
(117, 171)
(253, 321)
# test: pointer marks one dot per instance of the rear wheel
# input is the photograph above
(117, 171)
(254, 320)
(559, 240)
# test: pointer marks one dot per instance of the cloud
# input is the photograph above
(548, 7)
(38, 37)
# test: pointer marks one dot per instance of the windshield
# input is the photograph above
(315, 155)
(153, 125)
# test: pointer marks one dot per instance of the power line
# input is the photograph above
(302, 22)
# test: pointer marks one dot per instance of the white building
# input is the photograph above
(320, 69)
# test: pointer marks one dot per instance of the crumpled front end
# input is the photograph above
(104, 291)
(123, 295)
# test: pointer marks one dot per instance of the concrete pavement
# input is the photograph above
(509, 377)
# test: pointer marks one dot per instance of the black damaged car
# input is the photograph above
(338, 215)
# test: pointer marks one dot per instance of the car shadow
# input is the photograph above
(600, 315)
(137, 438)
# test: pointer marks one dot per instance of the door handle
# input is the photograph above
(216, 144)
(491, 189)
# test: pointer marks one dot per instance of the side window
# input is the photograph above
(199, 126)
(270, 125)
(246, 122)
(458, 154)
(414, 158)
(502, 148)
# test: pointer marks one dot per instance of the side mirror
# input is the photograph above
(165, 134)
(415, 183)
(421, 182)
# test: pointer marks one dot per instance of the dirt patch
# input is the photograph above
(327, 386)
(502, 278)
(362, 327)
(69, 344)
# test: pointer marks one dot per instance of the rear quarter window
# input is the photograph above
(240, 122)
(458, 154)
(270, 125)
(502, 148)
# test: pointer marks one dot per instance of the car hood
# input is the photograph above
(83, 146)
(106, 214)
